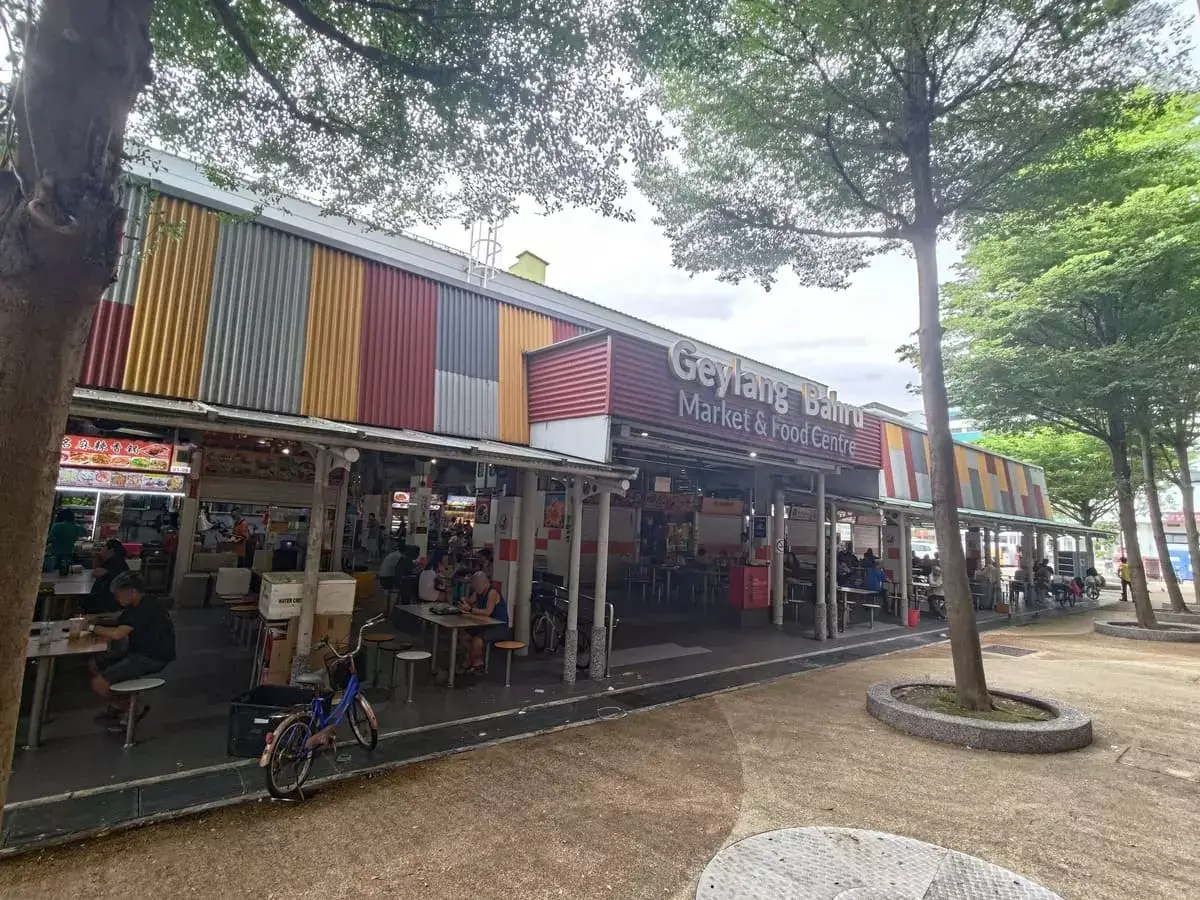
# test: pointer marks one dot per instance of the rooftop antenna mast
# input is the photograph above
(484, 251)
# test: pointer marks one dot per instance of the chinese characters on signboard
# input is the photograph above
(114, 453)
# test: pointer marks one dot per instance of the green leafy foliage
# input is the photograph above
(1078, 469)
(1079, 317)
(871, 121)
(402, 110)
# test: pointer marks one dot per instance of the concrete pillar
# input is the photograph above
(419, 497)
(831, 600)
(339, 524)
(1028, 550)
(820, 590)
(526, 541)
(905, 567)
(188, 510)
(778, 532)
(312, 562)
(571, 637)
(1090, 559)
(599, 664)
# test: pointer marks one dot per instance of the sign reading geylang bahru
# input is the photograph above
(736, 399)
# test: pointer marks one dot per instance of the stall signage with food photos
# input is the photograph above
(114, 453)
(109, 480)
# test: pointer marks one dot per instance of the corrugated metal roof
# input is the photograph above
(170, 316)
(467, 341)
(136, 203)
(334, 338)
(564, 331)
(520, 330)
(399, 343)
(466, 406)
(254, 351)
(107, 346)
(570, 383)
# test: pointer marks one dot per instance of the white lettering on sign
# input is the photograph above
(729, 378)
(760, 424)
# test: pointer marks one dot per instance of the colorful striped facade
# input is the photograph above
(218, 309)
(986, 482)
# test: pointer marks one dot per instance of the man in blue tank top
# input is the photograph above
(484, 600)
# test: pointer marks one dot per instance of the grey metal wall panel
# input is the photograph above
(468, 333)
(136, 201)
(466, 406)
(254, 352)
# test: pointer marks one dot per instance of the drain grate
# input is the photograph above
(1005, 650)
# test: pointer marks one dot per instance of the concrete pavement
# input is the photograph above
(634, 807)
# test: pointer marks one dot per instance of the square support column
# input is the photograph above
(598, 668)
(820, 590)
(312, 562)
(831, 611)
(778, 533)
(571, 638)
(526, 549)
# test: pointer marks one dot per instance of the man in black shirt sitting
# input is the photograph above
(145, 626)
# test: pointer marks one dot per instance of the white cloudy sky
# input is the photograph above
(846, 339)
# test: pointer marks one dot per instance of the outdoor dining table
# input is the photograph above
(844, 598)
(46, 653)
(67, 587)
(452, 621)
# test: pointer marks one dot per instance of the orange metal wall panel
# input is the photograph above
(520, 330)
(331, 357)
(170, 318)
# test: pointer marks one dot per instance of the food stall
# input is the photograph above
(120, 488)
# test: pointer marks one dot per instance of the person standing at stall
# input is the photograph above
(60, 544)
(241, 536)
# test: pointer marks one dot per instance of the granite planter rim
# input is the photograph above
(1070, 729)
(1174, 632)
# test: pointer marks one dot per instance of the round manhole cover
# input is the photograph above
(851, 864)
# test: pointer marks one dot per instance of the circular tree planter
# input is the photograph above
(1169, 632)
(1177, 618)
(1063, 729)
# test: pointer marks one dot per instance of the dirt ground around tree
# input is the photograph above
(635, 807)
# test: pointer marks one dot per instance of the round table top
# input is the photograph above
(378, 637)
(509, 645)
(413, 655)
(134, 685)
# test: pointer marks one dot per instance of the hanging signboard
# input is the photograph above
(104, 479)
(114, 453)
(555, 511)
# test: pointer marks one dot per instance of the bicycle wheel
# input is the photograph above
(539, 633)
(290, 761)
(365, 733)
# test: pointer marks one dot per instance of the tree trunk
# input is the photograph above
(1118, 446)
(85, 63)
(1189, 514)
(964, 635)
(1156, 523)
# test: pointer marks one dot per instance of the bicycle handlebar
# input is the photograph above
(375, 621)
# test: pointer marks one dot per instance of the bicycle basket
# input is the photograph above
(339, 672)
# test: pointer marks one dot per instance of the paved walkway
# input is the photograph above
(637, 806)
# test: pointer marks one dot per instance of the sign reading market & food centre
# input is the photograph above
(731, 400)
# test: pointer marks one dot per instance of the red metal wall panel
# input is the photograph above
(569, 383)
(399, 345)
(869, 449)
(107, 346)
(645, 391)
(564, 331)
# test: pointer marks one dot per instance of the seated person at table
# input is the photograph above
(145, 627)
(427, 588)
(868, 559)
(389, 566)
(937, 594)
(109, 564)
(484, 600)
(875, 578)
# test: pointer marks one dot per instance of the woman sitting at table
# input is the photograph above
(484, 600)
(427, 584)
(109, 564)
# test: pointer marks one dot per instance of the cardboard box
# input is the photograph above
(278, 650)
(335, 593)
(282, 594)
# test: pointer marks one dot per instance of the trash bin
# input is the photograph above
(914, 617)
(254, 714)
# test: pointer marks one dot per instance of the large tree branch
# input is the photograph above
(978, 84)
(852, 185)
(439, 76)
(233, 28)
(886, 234)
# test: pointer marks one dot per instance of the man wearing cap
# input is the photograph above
(149, 635)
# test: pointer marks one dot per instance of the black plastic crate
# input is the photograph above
(254, 714)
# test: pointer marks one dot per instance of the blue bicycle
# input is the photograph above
(288, 755)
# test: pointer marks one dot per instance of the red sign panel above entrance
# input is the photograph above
(684, 389)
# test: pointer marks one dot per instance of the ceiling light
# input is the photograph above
(262, 442)
(753, 454)
(645, 434)
(286, 450)
(433, 462)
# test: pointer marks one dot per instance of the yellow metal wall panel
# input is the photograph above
(520, 330)
(170, 313)
(331, 356)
